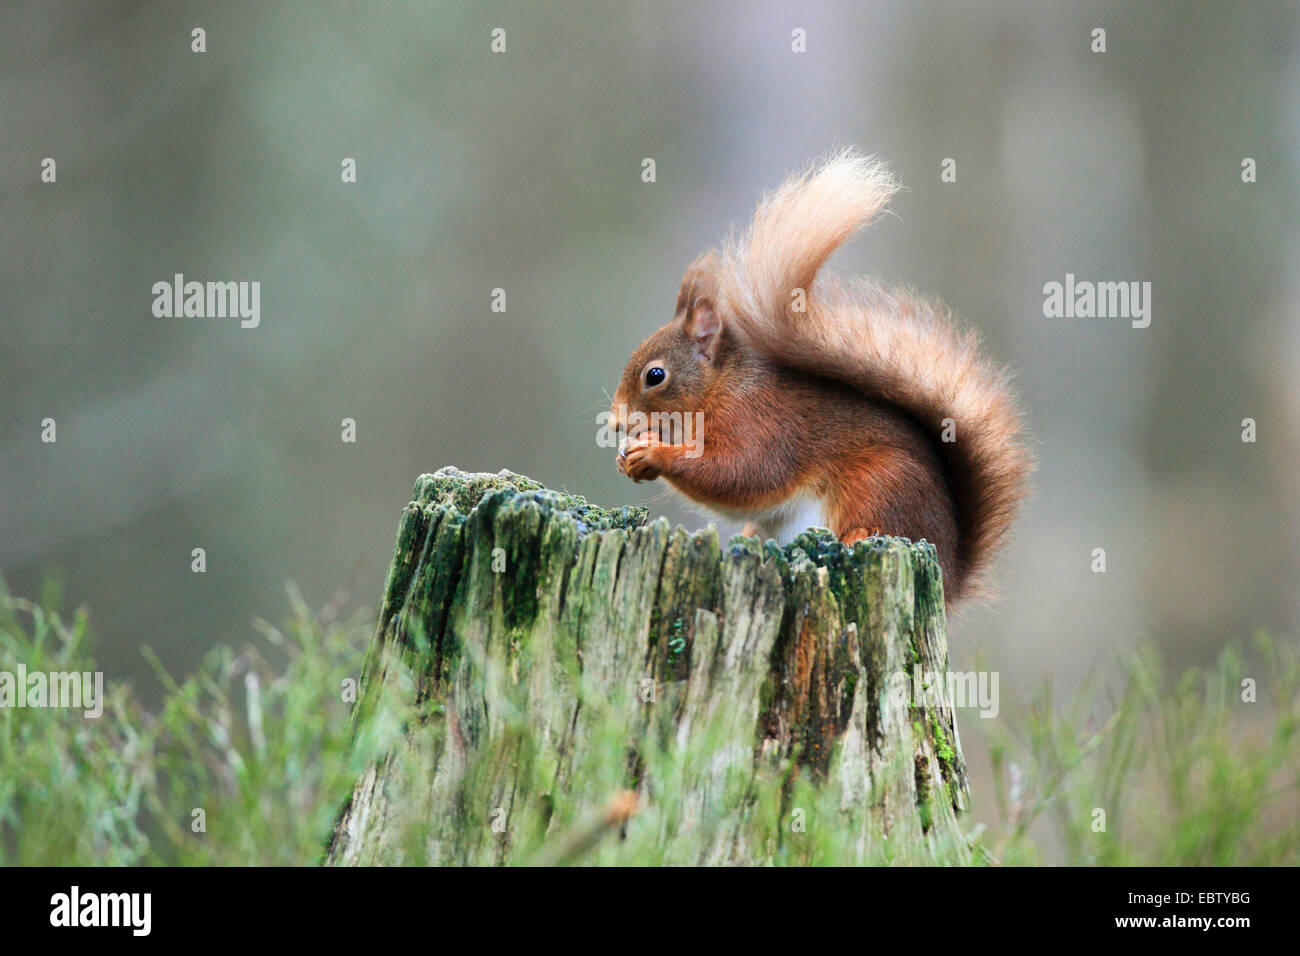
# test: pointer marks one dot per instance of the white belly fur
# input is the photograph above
(787, 519)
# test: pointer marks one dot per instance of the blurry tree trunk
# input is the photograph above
(588, 687)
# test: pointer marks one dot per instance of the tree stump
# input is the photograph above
(585, 686)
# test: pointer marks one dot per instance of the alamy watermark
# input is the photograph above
(1084, 299)
(77, 690)
(973, 689)
(129, 910)
(208, 300)
(673, 428)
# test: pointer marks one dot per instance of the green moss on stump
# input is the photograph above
(464, 490)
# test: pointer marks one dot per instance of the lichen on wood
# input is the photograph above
(585, 685)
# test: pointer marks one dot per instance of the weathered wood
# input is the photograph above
(568, 662)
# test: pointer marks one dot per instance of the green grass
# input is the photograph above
(262, 751)
(1186, 772)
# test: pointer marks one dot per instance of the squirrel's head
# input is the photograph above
(677, 366)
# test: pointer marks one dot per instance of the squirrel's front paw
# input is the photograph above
(641, 459)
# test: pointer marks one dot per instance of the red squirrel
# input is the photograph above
(856, 407)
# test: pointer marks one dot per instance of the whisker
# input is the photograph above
(595, 407)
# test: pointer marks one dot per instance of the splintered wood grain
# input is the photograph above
(554, 656)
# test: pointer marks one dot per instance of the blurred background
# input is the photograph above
(522, 171)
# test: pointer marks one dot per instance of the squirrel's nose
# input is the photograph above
(618, 416)
(619, 423)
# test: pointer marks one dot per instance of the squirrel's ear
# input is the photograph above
(700, 280)
(704, 328)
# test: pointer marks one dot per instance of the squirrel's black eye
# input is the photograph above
(654, 376)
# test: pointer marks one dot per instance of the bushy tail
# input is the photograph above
(897, 347)
(796, 228)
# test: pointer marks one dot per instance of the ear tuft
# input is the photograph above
(701, 279)
(704, 329)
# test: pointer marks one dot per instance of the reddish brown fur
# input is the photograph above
(844, 402)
